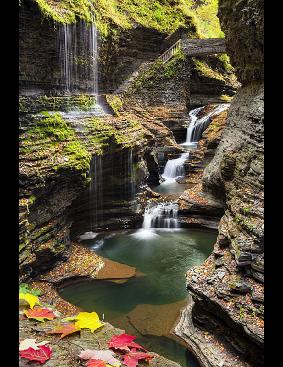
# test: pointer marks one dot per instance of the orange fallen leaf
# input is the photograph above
(65, 330)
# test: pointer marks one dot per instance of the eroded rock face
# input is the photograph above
(227, 289)
(242, 23)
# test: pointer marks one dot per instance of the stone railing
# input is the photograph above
(171, 51)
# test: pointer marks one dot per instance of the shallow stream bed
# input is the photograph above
(149, 304)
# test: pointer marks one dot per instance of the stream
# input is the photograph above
(143, 305)
(148, 305)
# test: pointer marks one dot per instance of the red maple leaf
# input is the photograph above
(132, 358)
(40, 355)
(40, 314)
(123, 342)
(65, 330)
(96, 363)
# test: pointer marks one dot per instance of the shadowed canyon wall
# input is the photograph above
(228, 288)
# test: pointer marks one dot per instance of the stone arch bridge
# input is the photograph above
(195, 47)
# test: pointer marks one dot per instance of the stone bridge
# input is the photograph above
(196, 47)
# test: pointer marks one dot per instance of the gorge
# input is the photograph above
(141, 175)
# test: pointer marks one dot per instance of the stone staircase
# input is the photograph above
(191, 47)
(128, 82)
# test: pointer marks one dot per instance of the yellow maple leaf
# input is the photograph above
(30, 299)
(86, 320)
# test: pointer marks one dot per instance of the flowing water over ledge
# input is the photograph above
(148, 304)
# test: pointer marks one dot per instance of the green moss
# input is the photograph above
(241, 312)
(84, 102)
(245, 223)
(246, 210)
(66, 11)
(53, 126)
(51, 103)
(206, 71)
(115, 102)
(225, 59)
(31, 200)
(77, 155)
(158, 72)
(173, 66)
(163, 15)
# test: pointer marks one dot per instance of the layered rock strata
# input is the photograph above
(227, 289)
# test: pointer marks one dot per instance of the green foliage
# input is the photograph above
(85, 102)
(206, 71)
(31, 200)
(115, 102)
(244, 222)
(163, 15)
(25, 288)
(173, 66)
(246, 210)
(241, 312)
(205, 17)
(66, 11)
(158, 72)
(102, 133)
(225, 59)
(56, 103)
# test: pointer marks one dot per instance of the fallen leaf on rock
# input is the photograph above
(40, 355)
(96, 363)
(123, 342)
(31, 299)
(40, 314)
(132, 358)
(104, 355)
(86, 320)
(31, 343)
(65, 330)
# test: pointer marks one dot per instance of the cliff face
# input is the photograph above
(228, 288)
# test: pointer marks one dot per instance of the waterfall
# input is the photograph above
(174, 168)
(67, 51)
(94, 53)
(78, 55)
(198, 125)
(95, 190)
(129, 171)
(162, 215)
(192, 120)
(95, 193)
(158, 216)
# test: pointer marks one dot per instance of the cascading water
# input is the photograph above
(162, 215)
(156, 217)
(78, 42)
(78, 56)
(192, 120)
(95, 197)
(129, 175)
(96, 190)
(198, 125)
(174, 168)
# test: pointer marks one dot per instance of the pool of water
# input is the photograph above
(171, 186)
(145, 305)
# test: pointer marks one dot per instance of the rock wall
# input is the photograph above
(56, 175)
(227, 289)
